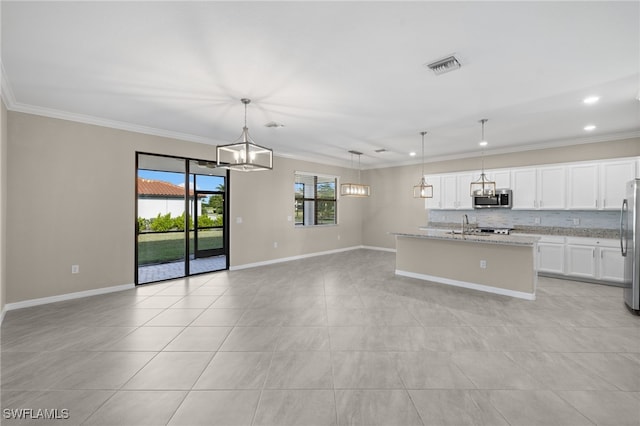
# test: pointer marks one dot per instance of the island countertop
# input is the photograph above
(441, 234)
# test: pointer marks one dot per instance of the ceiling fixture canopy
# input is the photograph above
(423, 189)
(355, 189)
(483, 186)
(244, 155)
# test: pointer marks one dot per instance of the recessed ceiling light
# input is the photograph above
(412, 153)
(483, 143)
(590, 100)
(589, 127)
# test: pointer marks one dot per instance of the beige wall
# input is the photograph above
(392, 208)
(3, 205)
(71, 200)
(264, 201)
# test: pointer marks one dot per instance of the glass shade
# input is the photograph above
(244, 156)
(355, 190)
(423, 189)
(483, 186)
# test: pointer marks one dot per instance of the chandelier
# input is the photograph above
(355, 189)
(483, 186)
(244, 155)
(423, 189)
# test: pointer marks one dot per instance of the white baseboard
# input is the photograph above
(288, 259)
(390, 250)
(68, 296)
(473, 286)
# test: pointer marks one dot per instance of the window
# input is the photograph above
(315, 199)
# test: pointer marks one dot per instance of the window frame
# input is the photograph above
(316, 200)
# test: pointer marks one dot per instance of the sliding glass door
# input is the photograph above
(181, 218)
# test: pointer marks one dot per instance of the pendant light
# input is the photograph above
(355, 189)
(483, 186)
(244, 155)
(423, 189)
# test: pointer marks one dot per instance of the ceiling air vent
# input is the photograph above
(444, 65)
(381, 150)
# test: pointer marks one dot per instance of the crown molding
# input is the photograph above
(6, 92)
(103, 122)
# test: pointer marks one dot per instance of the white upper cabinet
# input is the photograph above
(449, 192)
(523, 184)
(434, 203)
(502, 178)
(593, 185)
(464, 190)
(598, 186)
(552, 188)
(455, 191)
(613, 177)
(583, 187)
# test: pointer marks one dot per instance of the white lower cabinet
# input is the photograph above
(581, 261)
(611, 264)
(594, 258)
(589, 258)
(551, 255)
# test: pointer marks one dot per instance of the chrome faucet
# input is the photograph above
(465, 221)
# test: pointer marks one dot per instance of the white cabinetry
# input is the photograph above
(455, 191)
(598, 186)
(611, 264)
(435, 202)
(593, 258)
(613, 177)
(583, 187)
(581, 260)
(524, 188)
(542, 188)
(502, 178)
(551, 188)
(551, 255)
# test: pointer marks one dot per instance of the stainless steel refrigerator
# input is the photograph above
(630, 244)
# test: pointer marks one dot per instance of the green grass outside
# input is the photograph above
(160, 247)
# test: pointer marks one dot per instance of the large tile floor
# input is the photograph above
(335, 339)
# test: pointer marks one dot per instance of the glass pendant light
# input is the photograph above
(355, 189)
(423, 189)
(244, 155)
(483, 186)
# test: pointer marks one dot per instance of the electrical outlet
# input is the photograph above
(483, 264)
(536, 220)
(576, 221)
(75, 269)
(239, 219)
(275, 244)
(289, 218)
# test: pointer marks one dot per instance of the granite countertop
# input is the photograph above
(443, 234)
(605, 233)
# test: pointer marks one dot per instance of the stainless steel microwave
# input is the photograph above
(502, 199)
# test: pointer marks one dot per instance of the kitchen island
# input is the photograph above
(501, 264)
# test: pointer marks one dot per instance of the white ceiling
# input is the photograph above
(339, 75)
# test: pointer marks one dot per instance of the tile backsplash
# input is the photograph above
(497, 218)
